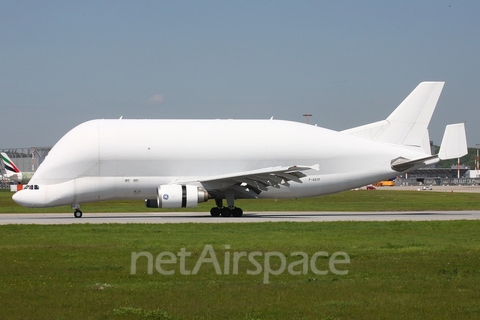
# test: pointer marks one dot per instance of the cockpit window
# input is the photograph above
(31, 187)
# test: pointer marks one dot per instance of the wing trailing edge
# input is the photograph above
(253, 182)
(267, 174)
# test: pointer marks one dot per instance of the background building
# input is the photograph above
(26, 159)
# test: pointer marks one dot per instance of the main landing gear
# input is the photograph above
(228, 211)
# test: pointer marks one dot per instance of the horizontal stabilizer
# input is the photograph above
(403, 165)
(454, 142)
(454, 145)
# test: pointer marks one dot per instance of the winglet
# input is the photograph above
(454, 142)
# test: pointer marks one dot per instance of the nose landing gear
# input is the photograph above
(77, 213)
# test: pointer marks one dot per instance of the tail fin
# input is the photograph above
(11, 170)
(407, 124)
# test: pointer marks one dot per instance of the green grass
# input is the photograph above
(362, 200)
(399, 270)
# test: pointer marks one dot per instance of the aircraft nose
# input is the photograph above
(23, 198)
(19, 198)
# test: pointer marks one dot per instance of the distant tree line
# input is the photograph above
(467, 160)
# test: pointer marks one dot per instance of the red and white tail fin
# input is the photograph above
(11, 170)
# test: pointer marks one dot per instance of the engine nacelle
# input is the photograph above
(177, 196)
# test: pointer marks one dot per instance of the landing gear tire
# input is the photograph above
(215, 212)
(226, 212)
(77, 214)
(237, 212)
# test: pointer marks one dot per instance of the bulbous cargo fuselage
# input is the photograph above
(129, 159)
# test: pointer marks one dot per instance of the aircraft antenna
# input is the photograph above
(306, 115)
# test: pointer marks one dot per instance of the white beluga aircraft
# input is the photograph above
(180, 163)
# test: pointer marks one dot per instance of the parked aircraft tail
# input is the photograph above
(11, 170)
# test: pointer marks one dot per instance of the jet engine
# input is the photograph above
(177, 196)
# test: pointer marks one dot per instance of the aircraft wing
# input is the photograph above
(253, 182)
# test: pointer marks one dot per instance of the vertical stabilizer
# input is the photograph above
(407, 124)
(11, 170)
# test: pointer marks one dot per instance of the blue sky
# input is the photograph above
(346, 62)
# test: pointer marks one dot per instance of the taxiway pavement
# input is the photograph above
(204, 217)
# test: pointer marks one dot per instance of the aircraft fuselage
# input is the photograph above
(128, 159)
